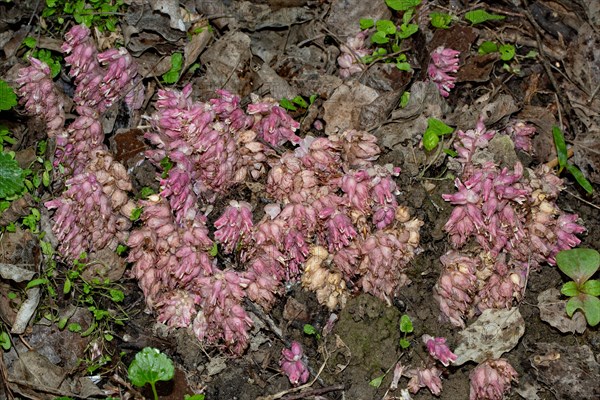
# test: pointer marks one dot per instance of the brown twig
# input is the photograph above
(315, 392)
(553, 163)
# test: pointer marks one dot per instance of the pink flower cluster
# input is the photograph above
(491, 380)
(425, 377)
(293, 364)
(444, 61)
(40, 97)
(93, 213)
(521, 134)
(514, 221)
(351, 54)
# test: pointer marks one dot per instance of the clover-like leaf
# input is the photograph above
(150, 366)
(570, 289)
(591, 287)
(578, 264)
(487, 47)
(507, 52)
(590, 305)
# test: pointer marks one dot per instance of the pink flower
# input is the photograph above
(521, 134)
(235, 223)
(491, 380)
(444, 62)
(439, 350)
(351, 54)
(425, 377)
(293, 364)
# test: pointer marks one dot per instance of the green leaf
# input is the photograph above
(287, 104)
(430, 140)
(487, 47)
(578, 264)
(29, 42)
(67, 286)
(531, 54)
(591, 287)
(590, 305)
(193, 397)
(312, 99)
(5, 341)
(403, 66)
(438, 127)
(366, 23)
(406, 325)
(402, 5)
(578, 175)
(379, 38)
(36, 282)
(310, 330)
(11, 176)
(146, 192)
(440, 20)
(405, 344)
(451, 153)
(507, 52)
(407, 16)
(150, 366)
(116, 295)
(570, 289)
(74, 327)
(377, 381)
(136, 213)
(479, 16)
(404, 99)
(8, 98)
(121, 249)
(386, 26)
(214, 250)
(299, 100)
(561, 147)
(407, 30)
(172, 76)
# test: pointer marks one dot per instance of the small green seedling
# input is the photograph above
(563, 163)
(440, 20)
(406, 327)
(150, 366)
(435, 129)
(298, 101)
(172, 76)
(388, 36)
(312, 331)
(580, 265)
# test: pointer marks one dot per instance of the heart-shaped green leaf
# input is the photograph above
(578, 264)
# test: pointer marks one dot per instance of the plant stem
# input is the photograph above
(154, 390)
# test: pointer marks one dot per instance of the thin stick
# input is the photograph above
(553, 163)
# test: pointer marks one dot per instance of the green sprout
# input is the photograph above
(580, 265)
(406, 327)
(311, 331)
(150, 366)
(173, 75)
(435, 129)
(563, 163)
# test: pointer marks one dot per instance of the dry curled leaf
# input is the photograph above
(494, 333)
